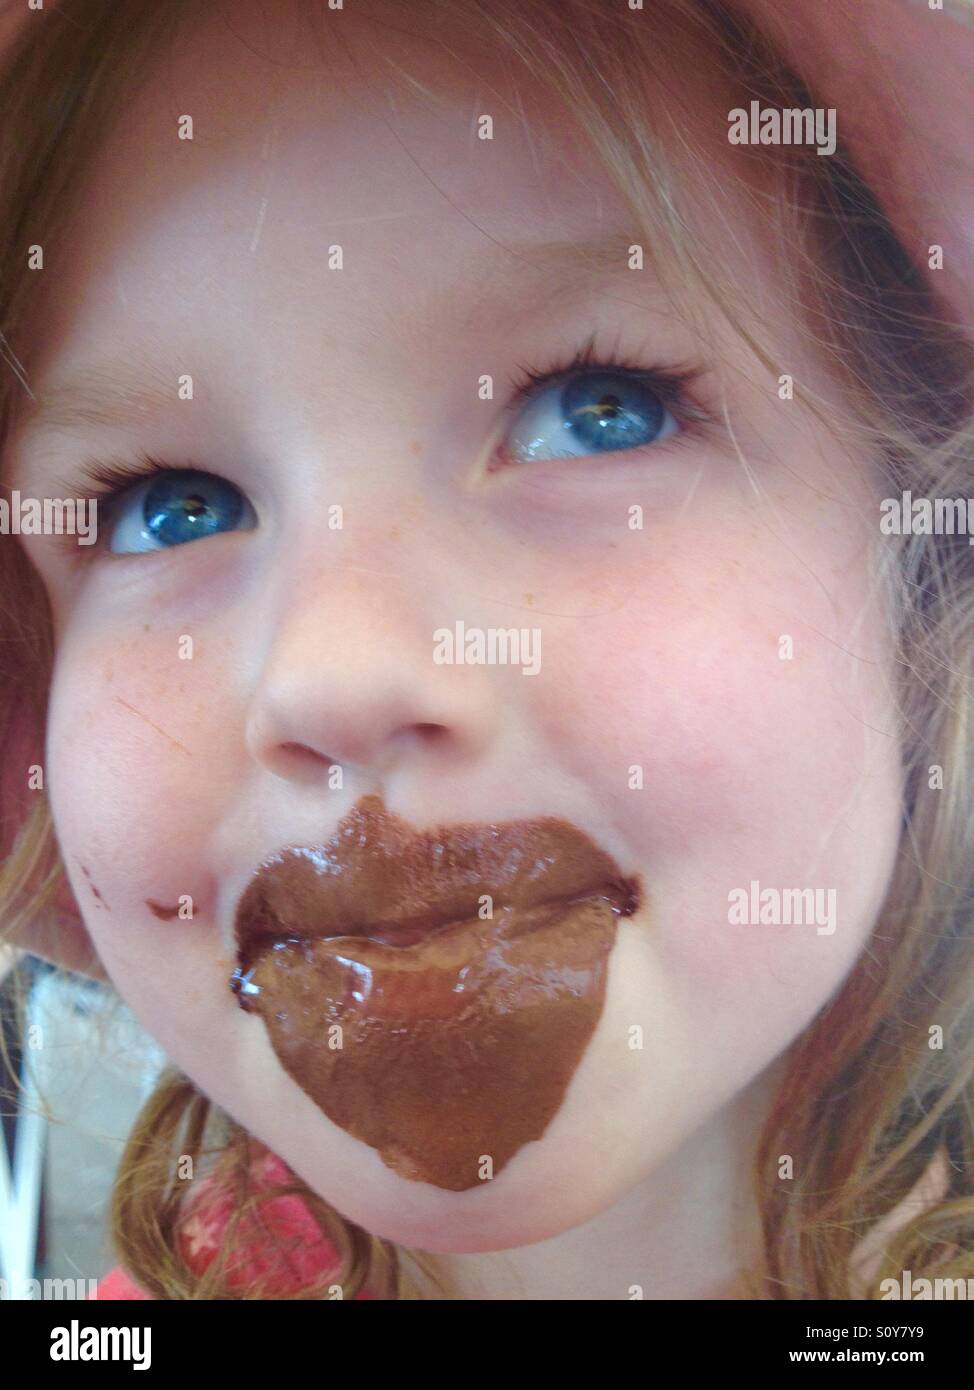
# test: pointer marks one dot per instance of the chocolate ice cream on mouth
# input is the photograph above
(433, 991)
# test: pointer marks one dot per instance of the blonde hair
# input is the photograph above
(864, 1100)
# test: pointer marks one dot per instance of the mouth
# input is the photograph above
(379, 881)
(433, 992)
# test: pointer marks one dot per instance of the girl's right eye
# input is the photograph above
(175, 506)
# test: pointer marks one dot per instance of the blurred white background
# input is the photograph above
(93, 1066)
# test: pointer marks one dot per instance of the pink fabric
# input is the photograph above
(305, 1255)
(117, 1285)
(901, 78)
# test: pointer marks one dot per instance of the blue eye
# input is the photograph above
(592, 412)
(175, 506)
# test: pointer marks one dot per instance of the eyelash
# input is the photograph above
(106, 481)
(671, 384)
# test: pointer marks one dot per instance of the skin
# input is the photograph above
(313, 646)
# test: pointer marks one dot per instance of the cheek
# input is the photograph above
(722, 764)
(134, 738)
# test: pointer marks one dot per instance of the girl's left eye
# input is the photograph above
(596, 410)
(175, 506)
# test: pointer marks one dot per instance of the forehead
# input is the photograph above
(361, 130)
(374, 145)
(455, 193)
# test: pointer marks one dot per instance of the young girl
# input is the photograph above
(507, 741)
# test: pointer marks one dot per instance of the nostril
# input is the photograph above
(298, 762)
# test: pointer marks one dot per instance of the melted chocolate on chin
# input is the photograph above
(459, 1048)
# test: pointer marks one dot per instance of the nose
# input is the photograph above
(348, 679)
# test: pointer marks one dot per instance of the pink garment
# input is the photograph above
(305, 1255)
(900, 75)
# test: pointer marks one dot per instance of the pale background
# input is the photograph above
(94, 1066)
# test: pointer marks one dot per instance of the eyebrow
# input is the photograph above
(574, 266)
(599, 255)
(113, 391)
(101, 395)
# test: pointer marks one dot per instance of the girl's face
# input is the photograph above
(712, 704)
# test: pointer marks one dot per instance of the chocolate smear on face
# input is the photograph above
(465, 968)
(165, 914)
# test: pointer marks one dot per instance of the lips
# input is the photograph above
(433, 992)
(377, 878)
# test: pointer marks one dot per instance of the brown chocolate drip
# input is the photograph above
(93, 886)
(459, 1044)
(165, 914)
